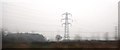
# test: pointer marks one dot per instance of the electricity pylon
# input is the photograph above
(116, 33)
(66, 24)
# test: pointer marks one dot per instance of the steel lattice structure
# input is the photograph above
(116, 32)
(66, 24)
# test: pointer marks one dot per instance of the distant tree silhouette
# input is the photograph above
(58, 37)
(77, 37)
(106, 36)
(23, 37)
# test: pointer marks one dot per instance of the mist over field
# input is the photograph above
(59, 23)
(90, 17)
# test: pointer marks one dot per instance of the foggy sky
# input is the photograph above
(45, 15)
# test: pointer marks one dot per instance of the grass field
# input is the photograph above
(69, 44)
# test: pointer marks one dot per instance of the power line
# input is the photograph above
(66, 24)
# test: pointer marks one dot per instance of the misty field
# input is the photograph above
(73, 44)
(27, 40)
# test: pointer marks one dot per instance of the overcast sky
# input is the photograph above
(45, 15)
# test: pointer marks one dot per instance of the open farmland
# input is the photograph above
(70, 44)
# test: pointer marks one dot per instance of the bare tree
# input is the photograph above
(58, 37)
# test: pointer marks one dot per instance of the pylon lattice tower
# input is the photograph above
(116, 32)
(66, 24)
